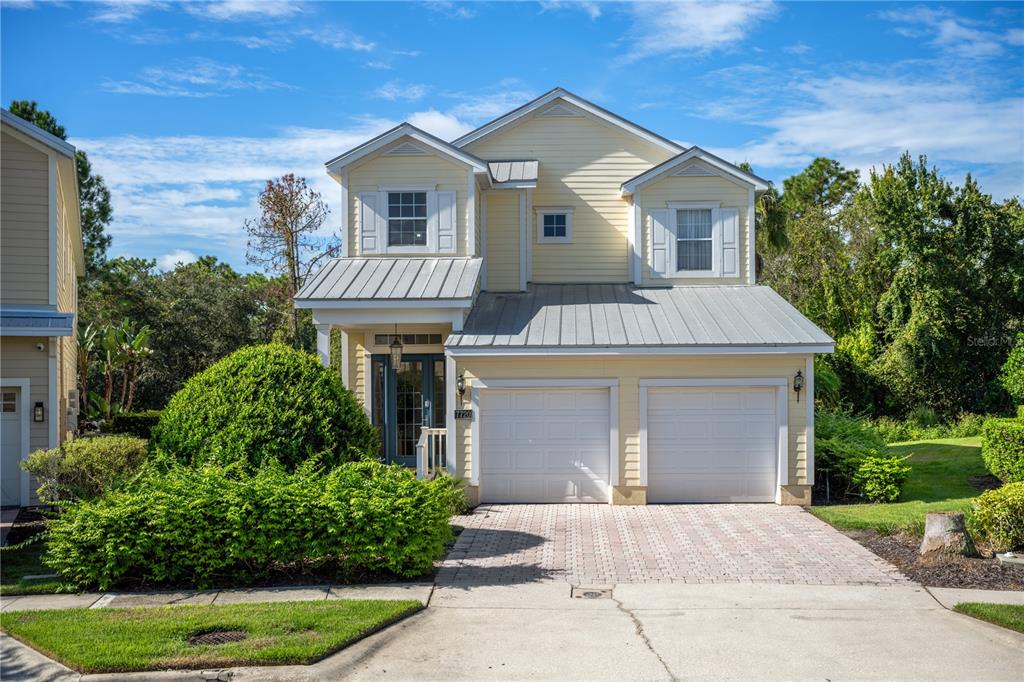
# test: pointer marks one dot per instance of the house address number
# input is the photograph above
(463, 414)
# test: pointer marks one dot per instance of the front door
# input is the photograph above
(406, 399)
(10, 448)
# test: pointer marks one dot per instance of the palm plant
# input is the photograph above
(113, 359)
(88, 339)
(134, 350)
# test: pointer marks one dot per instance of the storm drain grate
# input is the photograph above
(217, 637)
(580, 592)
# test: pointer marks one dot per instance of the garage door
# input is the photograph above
(711, 445)
(544, 445)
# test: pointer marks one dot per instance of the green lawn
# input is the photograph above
(938, 482)
(17, 563)
(151, 638)
(1009, 616)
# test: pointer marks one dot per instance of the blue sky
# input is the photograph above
(186, 109)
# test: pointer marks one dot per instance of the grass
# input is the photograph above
(938, 482)
(152, 638)
(18, 562)
(1010, 616)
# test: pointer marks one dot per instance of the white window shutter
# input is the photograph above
(730, 228)
(382, 222)
(661, 242)
(446, 232)
(369, 213)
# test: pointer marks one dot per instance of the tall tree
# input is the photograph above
(285, 237)
(94, 197)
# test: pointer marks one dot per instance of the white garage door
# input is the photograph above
(544, 445)
(711, 445)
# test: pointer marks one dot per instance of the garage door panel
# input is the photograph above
(546, 445)
(711, 444)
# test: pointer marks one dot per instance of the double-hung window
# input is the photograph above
(554, 225)
(694, 240)
(407, 218)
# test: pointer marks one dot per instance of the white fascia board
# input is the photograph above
(746, 179)
(388, 316)
(335, 165)
(37, 134)
(641, 350)
(398, 303)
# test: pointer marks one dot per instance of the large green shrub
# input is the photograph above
(1002, 448)
(139, 424)
(881, 479)
(85, 468)
(999, 514)
(1012, 374)
(200, 526)
(265, 403)
(851, 461)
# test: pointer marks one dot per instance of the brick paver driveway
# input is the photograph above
(594, 544)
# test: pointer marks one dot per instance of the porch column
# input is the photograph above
(323, 343)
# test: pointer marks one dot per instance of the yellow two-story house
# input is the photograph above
(561, 306)
(41, 258)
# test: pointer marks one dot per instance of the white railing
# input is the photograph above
(430, 452)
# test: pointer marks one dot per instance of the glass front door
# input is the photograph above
(406, 399)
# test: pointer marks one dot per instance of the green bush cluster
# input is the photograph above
(138, 424)
(265, 403)
(881, 479)
(900, 431)
(1012, 374)
(999, 514)
(85, 468)
(1002, 449)
(200, 526)
(843, 444)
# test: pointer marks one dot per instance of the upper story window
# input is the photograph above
(407, 218)
(554, 225)
(694, 239)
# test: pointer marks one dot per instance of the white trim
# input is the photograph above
(731, 171)
(541, 212)
(637, 231)
(53, 418)
(566, 96)
(483, 239)
(514, 184)
(524, 240)
(474, 435)
(751, 239)
(37, 135)
(404, 130)
(53, 245)
(450, 370)
(407, 188)
(640, 350)
(612, 385)
(470, 215)
(389, 316)
(529, 243)
(323, 344)
(25, 406)
(781, 386)
(346, 304)
(346, 246)
(809, 390)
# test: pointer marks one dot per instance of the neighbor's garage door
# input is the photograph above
(544, 445)
(711, 445)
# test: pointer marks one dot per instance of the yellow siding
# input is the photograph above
(24, 217)
(628, 372)
(583, 163)
(67, 301)
(697, 189)
(502, 241)
(19, 359)
(378, 171)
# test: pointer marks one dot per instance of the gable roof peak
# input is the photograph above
(405, 129)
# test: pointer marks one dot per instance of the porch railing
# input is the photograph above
(430, 452)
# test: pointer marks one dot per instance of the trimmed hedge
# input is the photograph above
(138, 424)
(1000, 515)
(85, 468)
(881, 479)
(198, 527)
(265, 403)
(1002, 448)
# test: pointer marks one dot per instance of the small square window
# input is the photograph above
(554, 226)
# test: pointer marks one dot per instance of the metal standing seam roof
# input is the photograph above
(513, 171)
(362, 279)
(33, 322)
(621, 315)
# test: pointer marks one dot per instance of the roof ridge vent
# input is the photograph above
(560, 110)
(406, 149)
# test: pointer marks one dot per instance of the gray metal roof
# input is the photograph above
(363, 279)
(612, 315)
(513, 171)
(36, 322)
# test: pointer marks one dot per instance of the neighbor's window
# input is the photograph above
(693, 239)
(407, 218)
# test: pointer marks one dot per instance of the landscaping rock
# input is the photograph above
(946, 533)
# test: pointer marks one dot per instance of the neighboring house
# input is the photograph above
(41, 258)
(573, 300)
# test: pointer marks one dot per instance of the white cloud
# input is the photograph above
(397, 90)
(445, 126)
(277, 40)
(797, 48)
(948, 31)
(122, 11)
(491, 102)
(239, 10)
(591, 9)
(171, 260)
(697, 27)
(456, 10)
(378, 65)
(194, 78)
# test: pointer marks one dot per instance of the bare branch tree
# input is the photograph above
(285, 239)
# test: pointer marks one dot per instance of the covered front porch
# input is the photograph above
(390, 318)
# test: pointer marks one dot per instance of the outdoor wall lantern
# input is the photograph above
(37, 413)
(395, 348)
(460, 384)
(798, 384)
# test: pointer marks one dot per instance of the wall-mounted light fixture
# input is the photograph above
(395, 348)
(460, 384)
(798, 384)
(38, 413)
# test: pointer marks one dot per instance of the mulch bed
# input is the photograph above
(984, 572)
